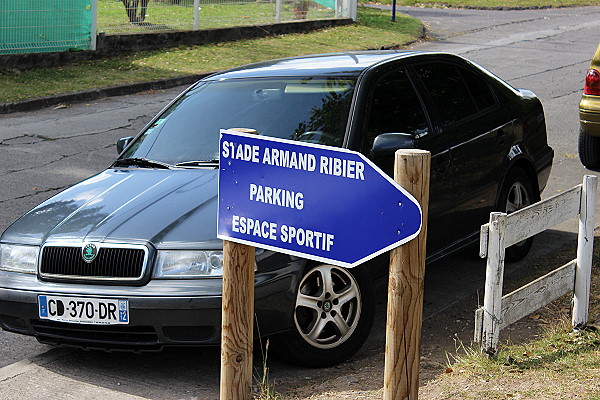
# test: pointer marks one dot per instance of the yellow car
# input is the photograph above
(589, 115)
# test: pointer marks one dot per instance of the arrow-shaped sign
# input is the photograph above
(318, 202)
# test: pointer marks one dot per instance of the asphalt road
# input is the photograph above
(547, 51)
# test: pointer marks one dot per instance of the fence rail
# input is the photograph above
(506, 230)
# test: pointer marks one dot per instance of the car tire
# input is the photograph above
(589, 150)
(517, 192)
(332, 317)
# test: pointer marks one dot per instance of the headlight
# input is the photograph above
(188, 264)
(18, 258)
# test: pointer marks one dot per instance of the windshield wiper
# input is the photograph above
(141, 162)
(204, 163)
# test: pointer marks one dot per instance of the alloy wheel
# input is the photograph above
(328, 306)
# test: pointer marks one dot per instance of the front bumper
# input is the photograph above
(161, 313)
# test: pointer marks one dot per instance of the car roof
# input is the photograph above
(342, 64)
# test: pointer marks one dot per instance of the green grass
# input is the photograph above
(558, 364)
(112, 17)
(490, 3)
(373, 30)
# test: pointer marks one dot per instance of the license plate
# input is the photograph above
(84, 310)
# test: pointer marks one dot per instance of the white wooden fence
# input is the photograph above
(504, 231)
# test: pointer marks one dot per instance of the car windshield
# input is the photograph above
(310, 109)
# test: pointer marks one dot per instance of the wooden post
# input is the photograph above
(405, 292)
(494, 278)
(585, 248)
(239, 261)
(236, 326)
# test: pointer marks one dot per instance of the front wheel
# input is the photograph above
(332, 317)
(517, 192)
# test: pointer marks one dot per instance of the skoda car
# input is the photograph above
(129, 259)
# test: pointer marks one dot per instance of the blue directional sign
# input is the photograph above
(322, 203)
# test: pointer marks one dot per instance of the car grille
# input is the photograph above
(114, 337)
(113, 263)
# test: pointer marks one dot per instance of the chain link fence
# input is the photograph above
(128, 16)
(32, 26)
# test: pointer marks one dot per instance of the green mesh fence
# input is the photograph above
(32, 26)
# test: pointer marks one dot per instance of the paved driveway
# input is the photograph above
(43, 152)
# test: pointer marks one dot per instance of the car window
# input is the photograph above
(480, 90)
(448, 92)
(311, 109)
(394, 108)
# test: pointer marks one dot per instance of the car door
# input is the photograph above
(479, 133)
(394, 106)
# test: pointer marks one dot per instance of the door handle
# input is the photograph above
(501, 136)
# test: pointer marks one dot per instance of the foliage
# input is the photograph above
(264, 389)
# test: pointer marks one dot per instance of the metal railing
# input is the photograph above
(129, 16)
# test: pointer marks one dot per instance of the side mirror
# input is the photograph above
(122, 143)
(387, 143)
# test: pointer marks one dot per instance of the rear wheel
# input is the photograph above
(332, 318)
(589, 150)
(517, 193)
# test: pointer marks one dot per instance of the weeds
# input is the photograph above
(264, 389)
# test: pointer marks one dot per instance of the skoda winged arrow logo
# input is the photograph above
(89, 252)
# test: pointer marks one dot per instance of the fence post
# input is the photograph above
(494, 277)
(278, 10)
(236, 326)
(196, 15)
(405, 291)
(353, 5)
(94, 26)
(585, 248)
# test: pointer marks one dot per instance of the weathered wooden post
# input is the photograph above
(237, 317)
(405, 292)
(494, 278)
(236, 326)
(585, 247)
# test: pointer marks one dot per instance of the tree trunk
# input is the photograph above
(143, 10)
(131, 7)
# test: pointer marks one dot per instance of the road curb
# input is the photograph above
(26, 365)
(94, 94)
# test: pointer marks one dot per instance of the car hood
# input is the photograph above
(168, 208)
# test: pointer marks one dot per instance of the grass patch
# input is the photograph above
(491, 3)
(558, 364)
(112, 17)
(373, 30)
